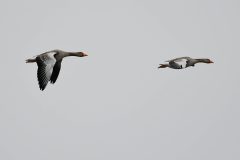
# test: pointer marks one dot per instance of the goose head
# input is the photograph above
(81, 54)
(208, 61)
(202, 60)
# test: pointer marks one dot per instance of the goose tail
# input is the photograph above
(30, 60)
(163, 66)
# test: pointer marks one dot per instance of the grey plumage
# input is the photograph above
(183, 62)
(49, 65)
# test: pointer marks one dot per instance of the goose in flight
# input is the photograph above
(49, 65)
(184, 62)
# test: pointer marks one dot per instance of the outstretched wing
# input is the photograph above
(180, 59)
(56, 70)
(45, 64)
(179, 63)
(175, 65)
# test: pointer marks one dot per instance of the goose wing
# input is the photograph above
(45, 64)
(179, 63)
(180, 59)
(175, 65)
(56, 70)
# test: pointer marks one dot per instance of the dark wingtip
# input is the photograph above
(41, 88)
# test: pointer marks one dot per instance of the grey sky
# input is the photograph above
(115, 104)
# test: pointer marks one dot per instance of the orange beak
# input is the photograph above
(84, 54)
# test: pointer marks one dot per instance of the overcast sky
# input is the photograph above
(115, 104)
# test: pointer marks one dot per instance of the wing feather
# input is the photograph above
(56, 70)
(45, 64)
(180, 59)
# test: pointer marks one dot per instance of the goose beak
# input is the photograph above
(84, 54)
(211, 61)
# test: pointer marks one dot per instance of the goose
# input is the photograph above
(184, 62)
(49, 65)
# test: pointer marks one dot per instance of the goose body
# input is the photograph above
(49, 65)
(184, 62)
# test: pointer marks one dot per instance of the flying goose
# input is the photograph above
(184, 62)
(49, 65)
